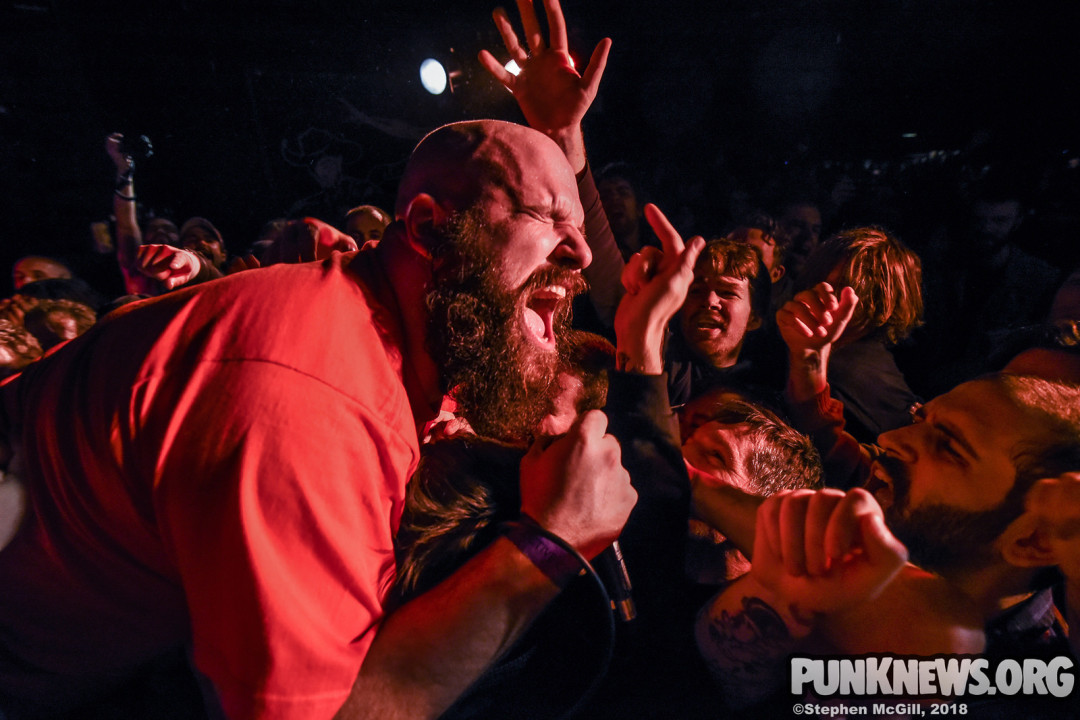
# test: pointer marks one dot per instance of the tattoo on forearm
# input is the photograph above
(745, 650)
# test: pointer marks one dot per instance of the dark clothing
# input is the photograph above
(970, 307)
(1033, 628)
(689, 376)
(656, 671)
(595, 310)
(864, 376)
(1033, 624)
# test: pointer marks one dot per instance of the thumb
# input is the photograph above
(848, 300)
(595, 69)
(881, 546)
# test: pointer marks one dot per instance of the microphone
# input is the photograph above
(612, 568)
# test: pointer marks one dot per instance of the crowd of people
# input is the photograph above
(516, 448)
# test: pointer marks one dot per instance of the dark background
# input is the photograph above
(241, 99)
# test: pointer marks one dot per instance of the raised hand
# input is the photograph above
(122, 161)
(553, 96)
(824, 551)
(576, 486)
(307, 240)
(816, 317)
(240, 263)
(14, 308)
(656, 283)
(810, 323)
(170, 266)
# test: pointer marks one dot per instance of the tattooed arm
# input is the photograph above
(815, 554)
(744, 641)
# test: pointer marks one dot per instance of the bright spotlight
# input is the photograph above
(433, 76)
(513, 68)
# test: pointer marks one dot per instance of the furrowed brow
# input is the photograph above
(954, 434)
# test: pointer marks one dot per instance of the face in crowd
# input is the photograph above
(202, 238)
(505, 271)
(31, 269)
(953, 482)
(994, 222)
(620, 205)
(719, 308)
(801, 223)
(766, 246)
(736, 442)
(160, 231)
(366, 224)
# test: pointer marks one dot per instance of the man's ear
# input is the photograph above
(777, 272)
(423, 219)
(1025, 543)
(754, 322)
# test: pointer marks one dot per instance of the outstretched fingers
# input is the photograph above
(556, 25)
(509, 37)
(533, 36)
(496, 69)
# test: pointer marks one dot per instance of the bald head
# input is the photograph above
(456, 163)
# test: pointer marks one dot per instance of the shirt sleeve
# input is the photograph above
(845, 461)
(604, 273)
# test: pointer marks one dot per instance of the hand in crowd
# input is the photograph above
(114, 146)
(816, 317)
(446, 426)
(656, 283)
(1056, 504)
(576, 486)
(307, 240)
(14, 308)
(170, 266)
(824, 551)
(810, 323)
(241, 263)
(553, 96)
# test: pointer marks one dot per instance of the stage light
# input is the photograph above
(433, 76)
(512, 67)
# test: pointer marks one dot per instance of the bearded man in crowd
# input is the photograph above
(219, 470)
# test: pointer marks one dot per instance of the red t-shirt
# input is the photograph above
(223, 465)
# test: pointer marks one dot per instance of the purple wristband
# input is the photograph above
(551, 558)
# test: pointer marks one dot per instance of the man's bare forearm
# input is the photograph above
(730, 510)
(745, 639)
(427, 653)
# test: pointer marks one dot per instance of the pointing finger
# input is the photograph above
(670, 240)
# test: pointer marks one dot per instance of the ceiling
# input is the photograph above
(241, 99)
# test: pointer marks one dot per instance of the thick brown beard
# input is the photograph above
(502, 383)
(941, 538)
